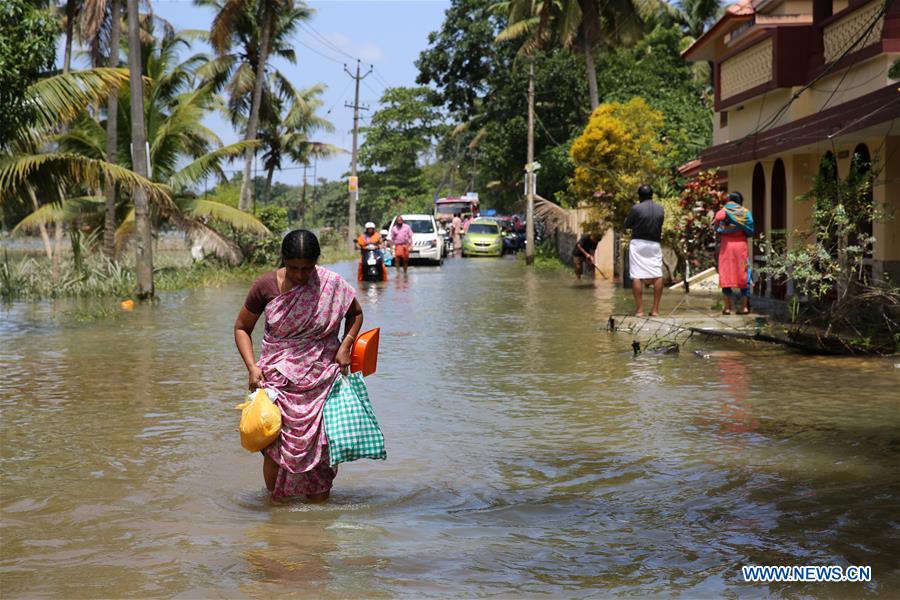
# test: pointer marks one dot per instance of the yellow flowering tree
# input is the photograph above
(618, 150)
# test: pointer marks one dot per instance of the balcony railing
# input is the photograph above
(747, 70)
(839, 36)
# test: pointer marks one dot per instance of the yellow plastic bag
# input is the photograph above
(260, 421)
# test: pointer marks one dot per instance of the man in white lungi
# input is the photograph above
(645, 220)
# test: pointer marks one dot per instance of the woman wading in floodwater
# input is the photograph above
(300, 358)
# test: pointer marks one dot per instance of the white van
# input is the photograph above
(427, 243)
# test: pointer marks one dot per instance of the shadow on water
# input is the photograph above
(529, 454)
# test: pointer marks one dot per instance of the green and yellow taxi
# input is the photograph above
(483, 237)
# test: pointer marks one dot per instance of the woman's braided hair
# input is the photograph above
(300, 243)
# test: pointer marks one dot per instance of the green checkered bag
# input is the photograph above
(350, 424)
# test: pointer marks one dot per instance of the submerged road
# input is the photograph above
(529, 453)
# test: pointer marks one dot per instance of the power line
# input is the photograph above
(325, 41)
(326, 57)
(371, 89)
(382, 80)
(343, 91)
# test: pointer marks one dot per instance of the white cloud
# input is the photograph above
(366, 51)
(370, 52)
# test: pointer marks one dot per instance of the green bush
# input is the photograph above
(268, 250)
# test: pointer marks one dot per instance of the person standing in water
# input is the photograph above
(401, 237)
(645, 220)
(734, 226)
(584, 252)
(300, 358)
(456, 232)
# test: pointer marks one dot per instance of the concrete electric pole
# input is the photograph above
(529, 172)
(353, 184)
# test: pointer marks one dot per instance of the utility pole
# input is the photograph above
(303, 195)
(315, 190)
(529, 172)
(353, 185)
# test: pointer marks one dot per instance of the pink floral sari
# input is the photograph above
(297, 360)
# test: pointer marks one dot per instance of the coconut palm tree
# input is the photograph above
(579, 24)
(34, 171)
(100, 25)
(697, 15)
(182, 151)
(256, 27)
(287, 134)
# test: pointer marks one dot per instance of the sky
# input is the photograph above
(387, 35)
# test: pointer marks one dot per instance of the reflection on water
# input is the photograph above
(529, 454)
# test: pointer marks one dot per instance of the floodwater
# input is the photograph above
(529, 454)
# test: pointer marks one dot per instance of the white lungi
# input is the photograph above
(644, 259)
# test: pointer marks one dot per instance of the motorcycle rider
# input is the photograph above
(369, 237)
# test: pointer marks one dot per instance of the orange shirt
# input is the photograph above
(363, 239)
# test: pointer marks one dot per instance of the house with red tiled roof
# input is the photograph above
(797, 81)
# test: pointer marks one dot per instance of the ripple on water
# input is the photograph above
(529, 454)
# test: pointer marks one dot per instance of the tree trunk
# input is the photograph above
(144, 245)
(253, 123)
(70, 31)
(591, 74)
(58, 228)
(590, 19)
(67, 66)
(112, 113)
(269, 174)
(45, 237)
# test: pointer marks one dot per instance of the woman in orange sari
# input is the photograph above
(734, 225)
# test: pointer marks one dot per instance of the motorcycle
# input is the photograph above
(371, 264)
(448, 241)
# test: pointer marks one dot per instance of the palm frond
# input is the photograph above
(60, 98)
(66, 211)
(224, 24)
(125, 230)
(518, 29)
(208, 164)
(69, 170)
(210, 240)
(227, 215)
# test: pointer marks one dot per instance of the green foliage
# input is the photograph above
(400, 136)
(327, 205)
(700, 199)
(235, 36)
(95, 276)
(697, 15)
(482, 83)
(831, 255)
(27, 49)
(655, 71)
(399, 142)
(267, 249)
(834, 293)
(617, 151)
(463, 58)
(894, 71)
(668, 196)
(227, 193)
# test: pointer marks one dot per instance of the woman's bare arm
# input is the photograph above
(243, 330)
(353, 321)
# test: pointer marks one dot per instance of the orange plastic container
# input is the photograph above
(364, 356)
